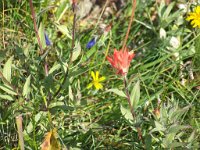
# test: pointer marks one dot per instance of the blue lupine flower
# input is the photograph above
(47, 40)
(91, 43)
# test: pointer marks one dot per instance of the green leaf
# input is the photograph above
(177, 114)
(6, 97)
(7, 69)
(168, 140)
(88, 54)
(41, 35)
(168, 10)
(64, 30)
(148, 142)
(7, 90)
(54, 68)
(62, 8)
(135, 95)
(76, 51)
(192, 137)
(158, 127)
(37, 117)
(27, 88)
(176, 128)
(126, 113)
(118, 92)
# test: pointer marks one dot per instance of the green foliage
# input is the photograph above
(49, 91)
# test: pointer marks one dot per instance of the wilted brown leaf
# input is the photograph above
(50, 142)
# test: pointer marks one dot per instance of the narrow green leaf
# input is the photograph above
(76, 51)
(62, 8)
(158, 127)
(7, 90)
(7, 69)
(126, 113)
(88, 54)
(168, 10)
(148, 142)
(176, 128)
(41, 35)
(135, 95)
(27, 88)
(6, 97)
(118, 92)
(64, 30)
(54, 68)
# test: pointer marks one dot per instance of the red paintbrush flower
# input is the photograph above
(121, 60)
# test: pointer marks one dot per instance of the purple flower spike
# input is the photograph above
(48, 42)
(91, 43)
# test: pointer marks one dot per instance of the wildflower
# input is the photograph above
(96, 80)
(48, 42)
(121, 60)
(194, 17)
(91, 43)
(174, 42)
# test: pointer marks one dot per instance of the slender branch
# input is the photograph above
(35, 25)
(130, 23)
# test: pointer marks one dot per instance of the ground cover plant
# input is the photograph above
(99, 74)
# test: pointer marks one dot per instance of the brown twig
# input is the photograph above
(35, 26)
(129, 26)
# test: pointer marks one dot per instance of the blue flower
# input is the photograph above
(48, 42)
(91, 43)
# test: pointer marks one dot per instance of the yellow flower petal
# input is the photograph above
(97, 75)
(93, 75)
(96, 80)
(194, 17)
(98, 85)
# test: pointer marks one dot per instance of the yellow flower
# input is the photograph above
(96, 80)
(194, 17)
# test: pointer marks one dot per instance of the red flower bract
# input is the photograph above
(121, 60)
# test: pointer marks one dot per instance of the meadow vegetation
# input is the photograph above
(99, 74)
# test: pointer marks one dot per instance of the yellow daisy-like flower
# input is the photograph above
(96, 80)
(194, 17)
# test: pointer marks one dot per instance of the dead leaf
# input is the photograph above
(50, 142)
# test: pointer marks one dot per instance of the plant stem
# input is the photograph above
(73, 31)
(132, 110)
(130, 23)
(20, 131)
(128, 97)
(35, 26)
(71, 52)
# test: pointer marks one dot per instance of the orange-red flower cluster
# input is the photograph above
(121, 60)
